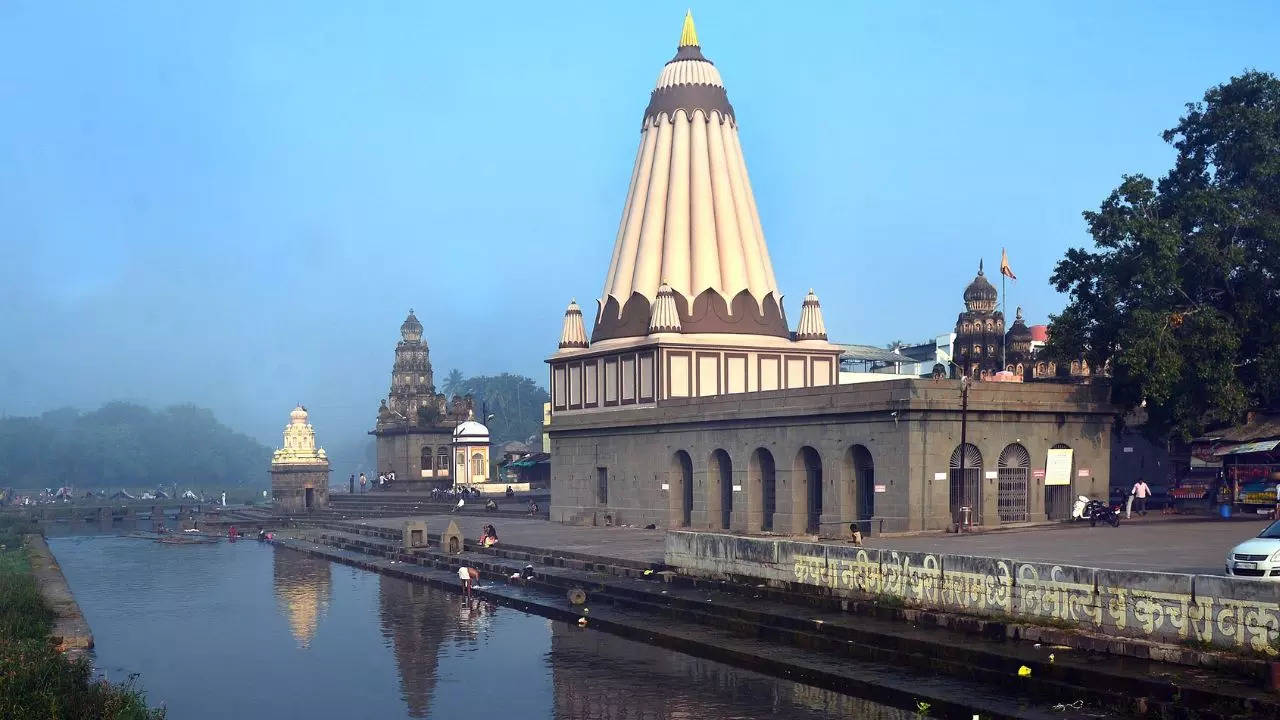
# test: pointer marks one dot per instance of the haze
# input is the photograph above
(235, 203)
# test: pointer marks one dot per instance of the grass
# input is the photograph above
(37, 681)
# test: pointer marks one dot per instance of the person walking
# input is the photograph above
(351, 485)
(363, 481)
(1141, 491)
(1128, 504)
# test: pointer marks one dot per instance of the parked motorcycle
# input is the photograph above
(1095, 510)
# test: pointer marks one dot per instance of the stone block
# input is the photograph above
(1221, 587)
(977, 584)
(451, 540)
(413, 535)
(912, 577)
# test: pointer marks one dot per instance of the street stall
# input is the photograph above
(1252, 472)
(1200, 489)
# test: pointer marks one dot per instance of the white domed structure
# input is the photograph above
(470, 453)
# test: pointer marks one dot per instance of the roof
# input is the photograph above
(1262, 427)
(869, 353)
(1039, 332)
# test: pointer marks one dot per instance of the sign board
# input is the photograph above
(880, 488)
(992, 474)
(939, 476)
(1058, 467)
(737, 488)
(1128, 449)
(1038, 474)
(666, 486)
(1084, 472)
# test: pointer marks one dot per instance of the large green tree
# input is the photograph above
(1181, 295)
(515, 402)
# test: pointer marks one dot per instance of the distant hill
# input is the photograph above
(126, 445)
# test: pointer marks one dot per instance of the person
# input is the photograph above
(464, 575)
(533, 508)
(510, 493)
(382, 479)
(1275, 514)
(488, 536)
(351, 485)
(490, 505)
(461, 502)
(1128, 504)
(1141, 491)
(363, 481)
(224, 499)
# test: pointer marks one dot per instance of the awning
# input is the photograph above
(1253, 447)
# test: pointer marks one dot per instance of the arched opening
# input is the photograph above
(1057, 498)
(966, 483)
(427, 455)
(680, 475)
(442, 462)
(806, 474)
(719, 490)
(763, 483)
(1013, 469)
(477, 465)
(860, 479)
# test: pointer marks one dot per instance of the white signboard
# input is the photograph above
(1058, 468)
(880, 488)
(666, 486)
(939, 476)
(992, 475)
(737, 488)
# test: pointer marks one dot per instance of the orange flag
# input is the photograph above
(1004, 265)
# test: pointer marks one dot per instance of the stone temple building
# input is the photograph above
(299, 470)
(980, 339)
(694, 403)
(414, 429)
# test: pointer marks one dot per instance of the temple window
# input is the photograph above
(477, 464)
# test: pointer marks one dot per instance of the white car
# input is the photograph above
(1258, 557)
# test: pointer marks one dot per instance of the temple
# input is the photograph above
(692, 402)
(690, 306)
(415, 424)
(300, 469)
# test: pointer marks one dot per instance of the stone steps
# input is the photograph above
(1107, 682)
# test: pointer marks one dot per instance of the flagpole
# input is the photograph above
(1004, 310)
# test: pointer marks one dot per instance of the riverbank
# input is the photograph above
(38, 679)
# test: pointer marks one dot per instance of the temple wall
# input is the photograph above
(289, 485)
(887, 445)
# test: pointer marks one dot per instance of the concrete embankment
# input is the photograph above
(1165, 616)
(70, 630)
(892, 661)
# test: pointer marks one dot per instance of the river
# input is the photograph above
(247, 630)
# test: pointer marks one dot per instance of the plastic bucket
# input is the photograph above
(1225, 510)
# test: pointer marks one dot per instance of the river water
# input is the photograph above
(246, 630)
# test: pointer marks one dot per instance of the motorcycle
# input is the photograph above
(1095, 510)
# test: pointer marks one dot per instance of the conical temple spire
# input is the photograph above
(811, 326)
(979, 266)
(574, 335)
(688, 34)
(663, 316)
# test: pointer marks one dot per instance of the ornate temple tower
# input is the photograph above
(415, 423)
(979, 330)
(299, 470)
(690, 305)
(1018, 354)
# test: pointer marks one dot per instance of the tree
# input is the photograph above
(453, 383)
(515, 402)
(1179, 295)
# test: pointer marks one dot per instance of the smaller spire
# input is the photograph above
(811, 326)
(979, 266)
(574, 335)
(663, 316)
(688, 35)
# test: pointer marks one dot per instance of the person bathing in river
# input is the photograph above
(464, 576)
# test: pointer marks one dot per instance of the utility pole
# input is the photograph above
(964, 427)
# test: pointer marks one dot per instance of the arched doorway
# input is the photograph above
(681, 477)
(719, 490)
(1057, 498)
(860, 478)
(806, 474)
(1013, 469)
(426, 457)
(763, 483)
(966, 483)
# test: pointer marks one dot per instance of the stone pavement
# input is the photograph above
(1170, 544)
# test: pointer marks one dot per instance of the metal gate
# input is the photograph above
(966, 484)
(1013, 469)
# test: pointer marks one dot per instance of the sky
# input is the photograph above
(236, 203)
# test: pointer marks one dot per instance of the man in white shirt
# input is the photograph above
(464, 574)
(1141, 491)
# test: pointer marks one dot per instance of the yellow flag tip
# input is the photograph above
(688, 33)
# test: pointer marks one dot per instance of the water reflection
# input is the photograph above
(302, 586)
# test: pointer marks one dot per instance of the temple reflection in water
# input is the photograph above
(302, 585)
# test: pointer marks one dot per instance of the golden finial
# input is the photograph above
(688, 35)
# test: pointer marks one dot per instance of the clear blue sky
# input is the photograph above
(235, 203)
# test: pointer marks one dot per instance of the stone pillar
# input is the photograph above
(104, 519)
(157, 516)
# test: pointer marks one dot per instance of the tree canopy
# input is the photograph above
(127, 445)
(515, 402)
(1179, 296)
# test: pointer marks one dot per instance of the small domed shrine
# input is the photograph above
(300, 469)
(471, 453)
(980, 338)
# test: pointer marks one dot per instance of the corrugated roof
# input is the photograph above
(871, 353)
(1263, 427)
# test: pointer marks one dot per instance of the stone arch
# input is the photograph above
(1013, 468)
(762, 484)
(806, 491)
(680, 482)
(719, 490)
(426, 459)
(858, 498)
(965, 488)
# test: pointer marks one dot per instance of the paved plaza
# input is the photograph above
(1176, 544)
